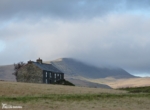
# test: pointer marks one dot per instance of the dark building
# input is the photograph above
(39, 72)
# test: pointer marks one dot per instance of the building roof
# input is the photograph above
(47, 67)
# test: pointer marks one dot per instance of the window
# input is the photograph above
(46, 75)
(50, 75)
(46, 81)
(57, 74)
(60, 76)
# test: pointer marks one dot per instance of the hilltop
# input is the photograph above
(74, 68)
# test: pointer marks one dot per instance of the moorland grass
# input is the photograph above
(56, 97)
(137, 89)
(74, 97)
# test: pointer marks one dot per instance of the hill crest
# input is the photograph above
(72, 67)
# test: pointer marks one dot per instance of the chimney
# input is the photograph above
(29, 62)
(39, 60)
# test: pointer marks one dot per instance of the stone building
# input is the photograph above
(39, 72)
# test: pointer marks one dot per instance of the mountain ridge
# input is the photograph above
(73, 67)
(78, 72)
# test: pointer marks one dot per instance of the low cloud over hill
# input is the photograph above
(74, 68)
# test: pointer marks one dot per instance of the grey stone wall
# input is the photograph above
(30, 73)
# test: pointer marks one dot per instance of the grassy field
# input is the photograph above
(56, 97)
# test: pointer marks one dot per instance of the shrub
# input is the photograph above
(64, 82)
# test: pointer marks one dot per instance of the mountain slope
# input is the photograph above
(84, 83)
(74, 68)
(6, 73)
(133, 82)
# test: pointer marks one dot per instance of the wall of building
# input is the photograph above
(51, 77)
(30, 73)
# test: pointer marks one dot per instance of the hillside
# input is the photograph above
(84, 83)
(6, 73)
(133, 82)
(121, 83)
(74, 68)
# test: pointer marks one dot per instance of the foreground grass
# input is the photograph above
(74, 97)
(55, 97)
(81, 102)
(30, 89)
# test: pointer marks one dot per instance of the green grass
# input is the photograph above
(137, 89)
(74, 97)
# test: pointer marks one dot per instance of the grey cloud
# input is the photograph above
(30, 30)
(59, 8)
(65, 8)
(138, 4)
(115, 40)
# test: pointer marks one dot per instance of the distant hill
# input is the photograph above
(6, 73)
(133, 82)
(80, 74)
(74, 68)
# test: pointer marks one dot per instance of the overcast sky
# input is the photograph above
(99, 32)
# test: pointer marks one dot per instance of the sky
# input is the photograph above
(115, 33)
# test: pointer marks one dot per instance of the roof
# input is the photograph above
(47, 67)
